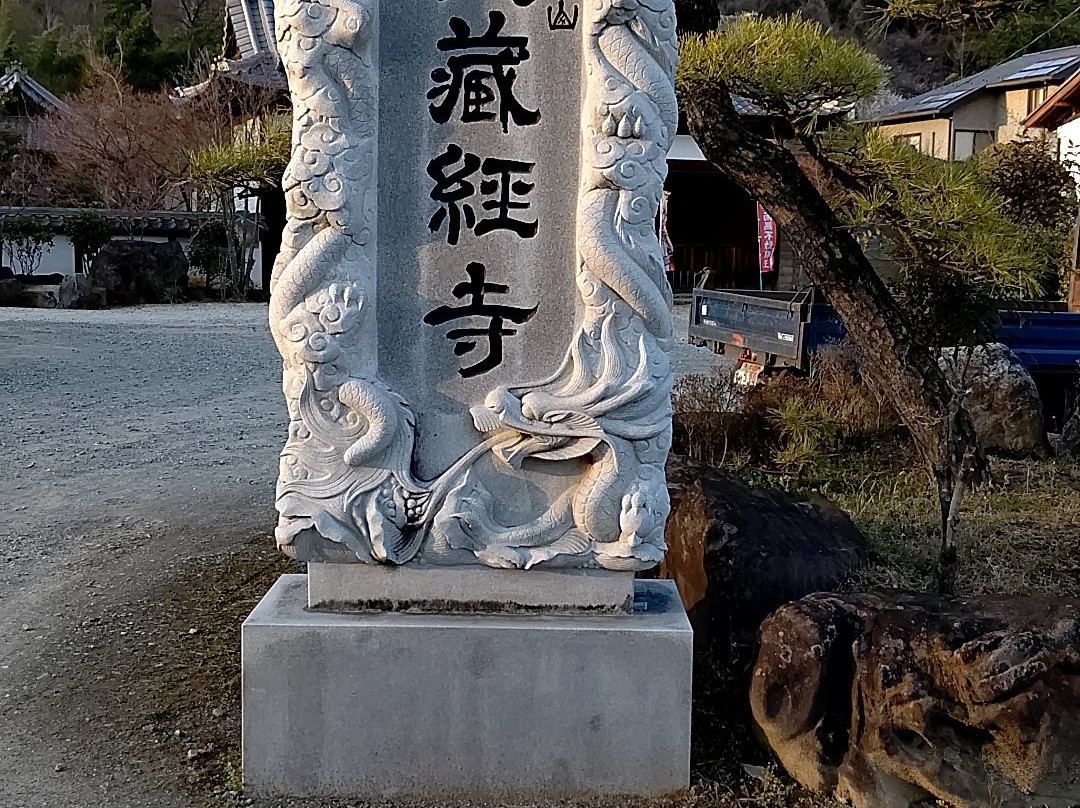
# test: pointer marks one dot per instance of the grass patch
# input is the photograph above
(830, 434)
(1019, 533)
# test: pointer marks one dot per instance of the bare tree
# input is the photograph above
(130, 149)
(193, 13)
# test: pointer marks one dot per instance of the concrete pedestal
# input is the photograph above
(482, 706)
(381, 587)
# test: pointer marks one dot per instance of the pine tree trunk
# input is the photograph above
(894, 361)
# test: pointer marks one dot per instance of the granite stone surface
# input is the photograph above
(471, 301)
(470, 589)
(483, 707)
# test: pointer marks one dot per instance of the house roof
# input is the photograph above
(1031, 70)
(1060, 108)
(17, 80)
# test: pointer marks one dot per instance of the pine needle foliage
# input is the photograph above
(952, 13)
(788, 66)
(256, 155)
(940, 215)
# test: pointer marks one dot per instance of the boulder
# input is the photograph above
(41, 297)
(737, 553)
(140, 271)
(1001, 397)
(1068, 442)
(10, 292)
(94, 298)
(13, 292)
(73, 289)
(886, 699)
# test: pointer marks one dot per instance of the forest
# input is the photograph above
(156, 44)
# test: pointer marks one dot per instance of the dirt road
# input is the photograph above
(136, 494)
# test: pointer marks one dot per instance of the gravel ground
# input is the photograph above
(140, 449)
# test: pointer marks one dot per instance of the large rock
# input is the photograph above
(1068, 442)
(10, 292)
(42, 297)
(140, 271)
(737, 553)
(15, 292)
(884, 699)
(1001, 397)
(73, 289)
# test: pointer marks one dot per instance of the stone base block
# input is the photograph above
(484, 706)
(344, 587)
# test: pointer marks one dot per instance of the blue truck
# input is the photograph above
(769, 331)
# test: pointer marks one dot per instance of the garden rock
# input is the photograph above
(737, 553)
(14, 292)
(1068, 443)
(887, 699)
(42, 297)
(140, 271)
(1001, 397)
(10, 292)
(73, 289)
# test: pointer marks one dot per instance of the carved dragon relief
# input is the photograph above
(346, 489)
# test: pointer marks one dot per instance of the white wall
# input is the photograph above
(1069, 146)
(59, 258)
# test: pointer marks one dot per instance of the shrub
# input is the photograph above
(89, 232)
(208, 253)
(25, 240)
(788, 424)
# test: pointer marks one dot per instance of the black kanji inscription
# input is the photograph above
(475, 290)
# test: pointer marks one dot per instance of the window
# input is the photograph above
(914, 139)
(1036, 98)
(963, 145)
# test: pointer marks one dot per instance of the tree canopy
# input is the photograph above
(986, 32)
(788, 66)
(153, 44)
(960, 234)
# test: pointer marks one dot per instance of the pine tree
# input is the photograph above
(128, 38)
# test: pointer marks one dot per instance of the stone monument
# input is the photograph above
(474, 320)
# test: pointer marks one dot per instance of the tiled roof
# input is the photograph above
(252, 23)
(17, 80)
(165, 223)
(1033, 69)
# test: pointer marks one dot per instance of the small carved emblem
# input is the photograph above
(560, 20)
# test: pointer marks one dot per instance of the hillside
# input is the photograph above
(920, 59)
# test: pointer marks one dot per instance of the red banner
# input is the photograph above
(767, 241)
